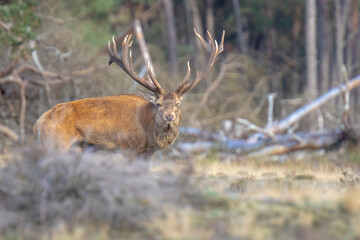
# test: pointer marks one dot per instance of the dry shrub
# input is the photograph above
(39, 190)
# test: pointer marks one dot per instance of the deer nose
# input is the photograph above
(169, 118)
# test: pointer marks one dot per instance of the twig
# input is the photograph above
(320, 120)
(35, 56)
(253, 127)
(210, 90)
(346, 96)
(7, 70)
(22, 86)
(37, 62)
(271, 98)
(6, 26)
(8, 132)
(51, 18)
(201, 134)
(294, 136)
(239, 112)
(22, 111)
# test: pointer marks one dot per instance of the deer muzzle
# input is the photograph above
(169, 117)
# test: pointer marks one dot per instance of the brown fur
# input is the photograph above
(126, 122)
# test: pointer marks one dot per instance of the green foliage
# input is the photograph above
(96, 10)
(21, 23)
(99, 10)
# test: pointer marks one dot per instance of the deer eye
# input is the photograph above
(158, 104)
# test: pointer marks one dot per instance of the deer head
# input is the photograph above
(167, 103)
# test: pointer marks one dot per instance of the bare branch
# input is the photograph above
(22, 86)
(230, 115)
(6, 26)
(35, 56)
(253, 127)
(7, 70)
(210, 89)
(9, 133)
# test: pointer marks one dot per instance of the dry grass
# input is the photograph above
(102, 196)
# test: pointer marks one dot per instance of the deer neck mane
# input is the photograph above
(165, 136)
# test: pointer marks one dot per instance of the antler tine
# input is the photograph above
(125, 52)
(186, 78)
(125, 62)
(214, 49)
(222, 42)
(153, 79)
(202, 40)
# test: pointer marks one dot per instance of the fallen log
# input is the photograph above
(279, 144)
(269, 141)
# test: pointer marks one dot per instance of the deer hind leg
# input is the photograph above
(58, 139)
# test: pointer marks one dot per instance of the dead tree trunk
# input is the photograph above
(272, 140)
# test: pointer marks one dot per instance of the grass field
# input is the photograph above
(100, 196)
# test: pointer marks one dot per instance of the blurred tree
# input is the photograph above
(324, 35)
(239, 28)
(171, 35)
(311, 50)
(210, 21)
(196, 23)
(342, 9)
(18, 23)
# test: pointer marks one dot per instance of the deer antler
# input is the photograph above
(125, 62)
(214, 49)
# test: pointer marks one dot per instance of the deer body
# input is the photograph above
(126, 122)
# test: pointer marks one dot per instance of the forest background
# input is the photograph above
(56, 51)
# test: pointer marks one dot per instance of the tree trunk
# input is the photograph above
(341, 15)
(210, 22)
(295, 46)
(352, 57)
(198, 54)
(171, 35)
(324, 45)
(239, 28)
(311, 66)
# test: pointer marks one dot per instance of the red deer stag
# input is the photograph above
(126, 122)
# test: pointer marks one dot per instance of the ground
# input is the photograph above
(302, 196)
